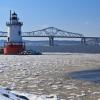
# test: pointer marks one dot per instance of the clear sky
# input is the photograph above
(82, 16)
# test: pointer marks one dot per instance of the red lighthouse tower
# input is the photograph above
(14, 44)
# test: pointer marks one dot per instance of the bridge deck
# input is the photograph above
(56, 36)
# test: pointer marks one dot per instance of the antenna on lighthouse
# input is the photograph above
(10, 16)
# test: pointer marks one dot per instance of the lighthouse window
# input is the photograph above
(19, 33)
(8, 39)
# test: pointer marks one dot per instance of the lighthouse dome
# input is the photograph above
(14, 16)
(14, 13)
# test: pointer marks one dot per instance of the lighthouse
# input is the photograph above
(14, 44)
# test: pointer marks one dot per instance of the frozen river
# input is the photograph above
(49, 74)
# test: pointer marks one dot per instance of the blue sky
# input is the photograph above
(82, 16)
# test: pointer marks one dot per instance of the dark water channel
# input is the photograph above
(87, 75)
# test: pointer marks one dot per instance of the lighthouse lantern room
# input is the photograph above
(14, 44)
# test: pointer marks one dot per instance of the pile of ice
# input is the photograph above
(7, 94)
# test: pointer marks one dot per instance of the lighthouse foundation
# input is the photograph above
(12, 48)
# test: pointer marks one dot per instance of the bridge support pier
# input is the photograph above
(97, 41)
(83, 40)
(51, 41)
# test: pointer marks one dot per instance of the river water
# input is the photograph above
(88, 75)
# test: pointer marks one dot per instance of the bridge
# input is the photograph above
(51, 33)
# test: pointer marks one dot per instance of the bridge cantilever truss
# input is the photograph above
(51, 32)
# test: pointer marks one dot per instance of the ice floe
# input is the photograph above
(7, 94)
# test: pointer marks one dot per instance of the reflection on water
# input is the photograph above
(88, 75)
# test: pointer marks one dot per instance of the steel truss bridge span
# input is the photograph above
(51, 31)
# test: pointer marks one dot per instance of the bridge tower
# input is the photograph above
(14, 44)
